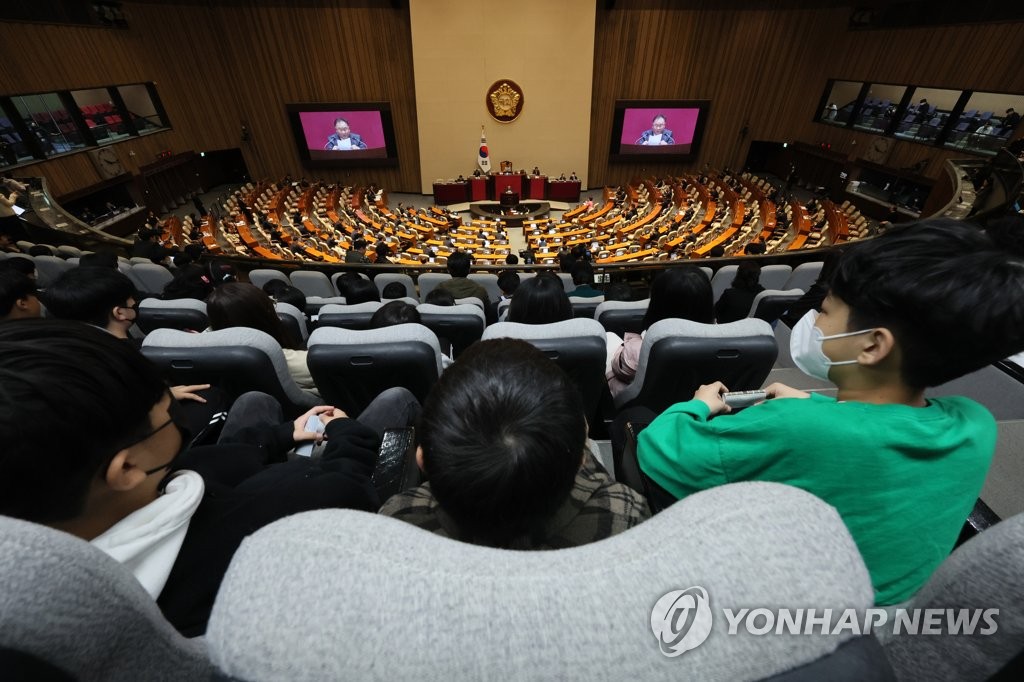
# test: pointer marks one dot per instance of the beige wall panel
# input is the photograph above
(461, 47)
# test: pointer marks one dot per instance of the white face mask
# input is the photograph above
(805, 347)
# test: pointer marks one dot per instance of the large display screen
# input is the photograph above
(336, 134)
(668, 129)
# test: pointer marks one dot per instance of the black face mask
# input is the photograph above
(177, 417)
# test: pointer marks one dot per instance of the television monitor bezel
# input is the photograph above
(614, 155)
(344, 161)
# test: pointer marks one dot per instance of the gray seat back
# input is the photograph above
(460, 325)
(803, 276)
(983, 573)
(237, 360)
(49, 268)
(150, 277)
(620, 317)
(313, 283)
(261, 276)
(351, 367)
(266, 621)
(385, 278)
(68, 603)
(722, 280)
(428, 281)
(182, 313)
(488, 282)
(678, 356)
(775, 276)
(356, 316)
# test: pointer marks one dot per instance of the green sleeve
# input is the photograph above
(680, 450)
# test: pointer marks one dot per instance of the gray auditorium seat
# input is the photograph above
(385, 278)
(722, 280)
(69, 604)
(351, 367)
(348, 316)
(294, 319)
(237, 360)
(392, 601)
(775, 276)
(428, 281)
(677, 356)
(313, 283)
(578, 346)
(49, 268)
(585, 306)
(261, 276)
(459, 325)
(769, 304)
(181, 313)
(150, 277)
(983, 573)
(488, 282)
(803, 276)
(620, 317)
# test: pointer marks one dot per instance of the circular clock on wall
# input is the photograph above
(879, 150)
(107, 163)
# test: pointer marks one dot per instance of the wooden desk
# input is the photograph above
(717, 241)
(450, 193)
(628, 256)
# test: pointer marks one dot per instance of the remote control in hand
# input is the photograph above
(314, 425)
(740, 399)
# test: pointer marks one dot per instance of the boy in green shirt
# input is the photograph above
(916, 307)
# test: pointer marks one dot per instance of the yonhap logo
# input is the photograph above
(681, 620)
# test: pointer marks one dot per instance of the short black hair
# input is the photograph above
(949, 296)
(511, 259)
(440, 297)
(361, 291)
(88, 294)
(395, 312)
(14, 286)
(25, 266)
(238, 304)
(459, 264)
(90, 392)
(359, 244)
(192, 281)
(394, 290)
(747, 277)
(503, 433)
(582, 273)
(282, 292)
(508, 281)
(682, 293)
(540, 300)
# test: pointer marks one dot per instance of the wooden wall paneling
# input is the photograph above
(217, 65)
(766, 68)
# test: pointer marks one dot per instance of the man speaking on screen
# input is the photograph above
(657, 134)
(344, 139)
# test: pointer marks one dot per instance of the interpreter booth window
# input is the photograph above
(49, 122)
(878, 112)
(14, 148)
(101, 115)
(840, 102)
(988, 121)
(927, 114)
(141, 108)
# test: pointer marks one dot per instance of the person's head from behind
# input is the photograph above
(244, 305)
(394, 290)
(383, 252)
(346, 280)
(440, 297)
(618, 291)
(459, 264)
(25, 266)
(359, 245)
(192, 281)
(361, 291)
(109, 437)
(282, 292)
(395, 312)
(748, 276)
(540, 300)
(508, 282)
(511, 259)
(930, 302)
(502, 437)
(682, 293)
(582, 274)
(98, 296)
(18, 295)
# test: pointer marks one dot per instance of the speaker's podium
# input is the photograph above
(509, 198)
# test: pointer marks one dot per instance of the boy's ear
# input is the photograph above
(879, 345)
(122, 474)
(419, 458)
